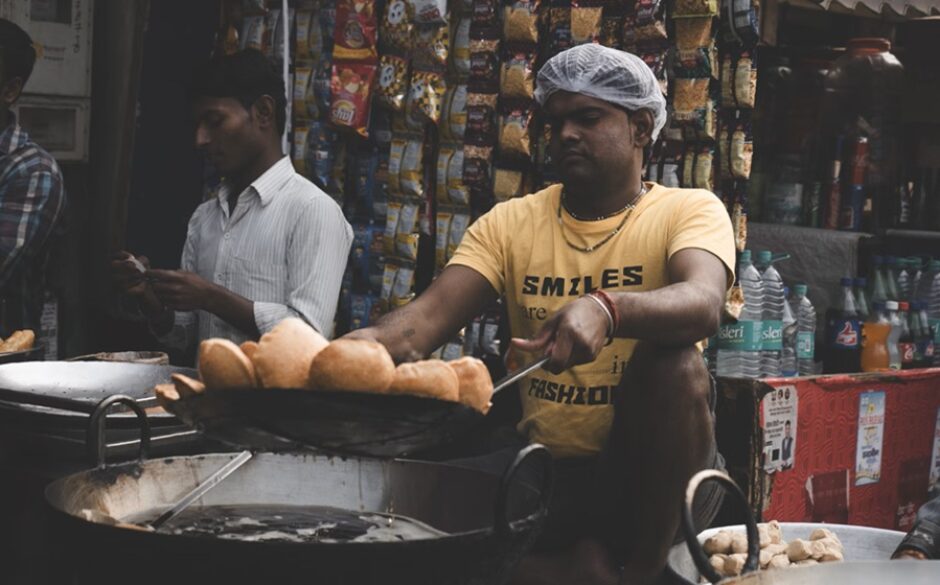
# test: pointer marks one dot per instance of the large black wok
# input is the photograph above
(490, 520)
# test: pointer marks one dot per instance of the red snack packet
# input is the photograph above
(354, 35)
(351, 92)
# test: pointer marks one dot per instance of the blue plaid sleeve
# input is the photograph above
(30, 203)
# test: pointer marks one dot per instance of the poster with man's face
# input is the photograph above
(779, 412)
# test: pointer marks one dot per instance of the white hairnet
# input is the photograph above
(613, 76)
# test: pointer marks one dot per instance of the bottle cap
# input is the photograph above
(745, 256)
(934, 265)
(800, 289)
(878, 305)
(765, 257)
(891, 305)
(904, 306)
(846, 281)
(861, 282)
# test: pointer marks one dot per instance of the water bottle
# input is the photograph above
(861, 298)
(922, 293)
(788, 367)
(771, 316)
(843, 334)
(739, 343)
(879, 290)
(805, 315)
(904, 279)
(906, 341)
(916, 268)
(926, 347)
(894, 353)
(891, 271)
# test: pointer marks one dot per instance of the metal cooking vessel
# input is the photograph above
(490, 521)
(866, 552)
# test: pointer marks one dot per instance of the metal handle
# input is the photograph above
(503, 524)
(95, 435)
(689, 529)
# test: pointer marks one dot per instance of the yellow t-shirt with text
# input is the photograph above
(519, 247)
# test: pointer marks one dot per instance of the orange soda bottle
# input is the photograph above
(875, 331)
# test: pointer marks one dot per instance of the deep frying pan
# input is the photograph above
(355, 423)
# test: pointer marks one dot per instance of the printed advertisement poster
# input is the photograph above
(871, 427)
(935, 460)
(779, 410)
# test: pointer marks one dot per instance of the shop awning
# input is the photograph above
(902, 8)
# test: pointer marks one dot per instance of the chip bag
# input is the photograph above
(392, 86)
(354, 37)
(351, 88)
(521, 21)
(426, 97)
(517, 78)
(397, 28)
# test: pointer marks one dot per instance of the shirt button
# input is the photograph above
(227, 235)
(218, 276)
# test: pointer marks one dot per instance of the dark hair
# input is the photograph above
(246, 76)
(17, 54)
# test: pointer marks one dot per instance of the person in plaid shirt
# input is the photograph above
(32, 194)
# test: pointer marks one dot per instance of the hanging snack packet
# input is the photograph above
(350, 96)
(457, 112)
(694, 33)
(655, 59)
(395, 157)
(697, 63)
(741, 151)
(397, 30)
(389, 275)
(393, 82)
(403, 289)
(481, 118)
(738, 80)
(430, 11)
(559, 28)
(517, 79)
(393, 213)
(432, 46)
(612, 31)
(320, 153)
(271, 20)
(477, 161)
(458, 227)
(457, 192)
(507, 184)
(252, 36)
(327, 17)
(685, 8)
(485, 20)
(650, 21)
(299, 149)
(322, 84)
(484, 65)
(704, 172)
(426, 97)
(355, 34)
(442, 224)
(444, 156)
(302, 50)
(585, 24)
(461, 52)
(412, 168)
(514, 141)
(303, 89)
(744, 24)
(521, 21)
(406, 237)
(690, 102)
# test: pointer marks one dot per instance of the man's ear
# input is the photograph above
(11, 91)
(264, 112)
(642, 121)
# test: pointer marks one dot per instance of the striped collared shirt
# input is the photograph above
(284, 247)
(32, 202)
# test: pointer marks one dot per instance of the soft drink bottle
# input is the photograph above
(891, 278)
(927, 347)
(875, 333)
(771, 316)
(916, 267)
(861, 298)
(904, 279)
(805, 315)
(879, 290)
(843, 334)
(894, 336)
(788, 367)
(906, 341)
(739, 343)
(922, 293)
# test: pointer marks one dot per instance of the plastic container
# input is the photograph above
(843, 334)
(805, 315)
(894, 336)
(774, 299)
(861, 298)
(906, 341)
(875, 332)
(739, 343)
(788, 367)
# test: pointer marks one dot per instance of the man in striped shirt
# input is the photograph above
(32, 194)
(268, 246)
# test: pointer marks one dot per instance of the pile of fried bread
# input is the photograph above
(294, 355)
(728, 549)
(18, 341)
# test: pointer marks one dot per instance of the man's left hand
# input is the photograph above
(574, 335)
(181, 290)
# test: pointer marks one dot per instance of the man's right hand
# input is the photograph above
(127, 275)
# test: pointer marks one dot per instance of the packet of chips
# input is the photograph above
(738, 80)
(442, 225)
(395, 157)
(432, 46)
(521, 21)
(252, 36)
(270, 30)
(514, 141)
(299, 149)
(476, 165)
(695, 63)
(481, 119)
(650, 21)
(426, 97)
(393, 82)
(704, 169)
(412, 168)
(322, 84)
(355, 34)
(694, 33)
(484, 65)
(612, 31)
(444, 156)
(403, 289)
(457, 192)
(397, 28)
(585, 24)
(517, 79)
(655, 59)
(691, 98)
(686, 8)
(430, 11)
(457, 112)
(406, 246)
(559, 28)
(736, 150)
(389, 274)
(302, 49)
(458, 227)
(392, 216)
(485, 19)
(743, 22)
(461, 53)
(351, 89)
(507, 184)
(305, 104)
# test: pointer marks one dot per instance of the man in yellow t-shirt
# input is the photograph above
(616, 280)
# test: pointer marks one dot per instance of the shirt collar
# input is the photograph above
(268, 184)
(12, 137)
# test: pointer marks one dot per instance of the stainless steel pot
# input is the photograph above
(490, 521)
(867, 551)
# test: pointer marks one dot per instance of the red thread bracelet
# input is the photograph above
(611, 306)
